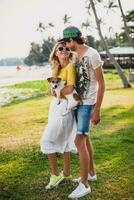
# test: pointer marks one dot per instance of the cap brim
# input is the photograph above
(61, 40)
(64, 40)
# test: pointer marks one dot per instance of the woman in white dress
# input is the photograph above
(59, 135)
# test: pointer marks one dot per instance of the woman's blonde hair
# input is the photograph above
(54, 59)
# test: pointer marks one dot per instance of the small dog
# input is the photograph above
(73, 99)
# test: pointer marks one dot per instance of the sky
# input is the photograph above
(19, 20)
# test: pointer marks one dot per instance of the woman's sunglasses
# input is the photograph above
(63, 49)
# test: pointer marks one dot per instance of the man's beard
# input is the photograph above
(73, 48)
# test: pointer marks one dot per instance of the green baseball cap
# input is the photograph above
(71, 32)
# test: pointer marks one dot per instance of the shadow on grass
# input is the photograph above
(117, 113)
(118, 89)
(39, 96)
(114, 154)
(26, 171)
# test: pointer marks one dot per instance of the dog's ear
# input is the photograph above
(49, 79)
(59, 79)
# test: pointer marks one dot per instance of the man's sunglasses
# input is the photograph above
(63, 49)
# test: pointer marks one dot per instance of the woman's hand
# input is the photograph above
(53, 92)
(57, 66)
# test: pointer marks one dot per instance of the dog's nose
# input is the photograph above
(55, 86)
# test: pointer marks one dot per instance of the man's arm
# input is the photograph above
(101, 88)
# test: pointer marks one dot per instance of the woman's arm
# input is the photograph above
(71, 79)
(67, 90)
(55, 69)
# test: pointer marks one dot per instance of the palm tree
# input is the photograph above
(111, 6)
(86, 24)
(41, 28)
(105, 46)
(66, 19)
(131, 41)
(50, 25)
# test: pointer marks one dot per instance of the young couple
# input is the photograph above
(86, 76)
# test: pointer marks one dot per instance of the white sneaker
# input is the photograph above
(90, 178)
(80, 191)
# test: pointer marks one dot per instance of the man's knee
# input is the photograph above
(80, 141)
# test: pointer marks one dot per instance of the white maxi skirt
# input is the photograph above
(60, 132)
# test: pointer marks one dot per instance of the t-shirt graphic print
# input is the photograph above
(83, 77)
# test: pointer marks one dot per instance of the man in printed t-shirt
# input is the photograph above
(90, 86)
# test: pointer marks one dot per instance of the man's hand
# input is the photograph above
(95, 119)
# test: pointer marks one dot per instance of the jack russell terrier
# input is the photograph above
(57, 84)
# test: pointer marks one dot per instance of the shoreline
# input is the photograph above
(10, 75)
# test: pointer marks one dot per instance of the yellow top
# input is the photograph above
(67, 74)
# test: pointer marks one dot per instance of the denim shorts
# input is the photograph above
(83, 116)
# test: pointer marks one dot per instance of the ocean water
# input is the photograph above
(9, 75)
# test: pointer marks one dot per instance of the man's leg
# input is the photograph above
(80, 143)
(90, 151)
(83, 116)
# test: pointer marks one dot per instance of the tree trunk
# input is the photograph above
(125, 25)
(105, 46)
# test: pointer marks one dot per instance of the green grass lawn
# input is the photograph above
(25, 171)
(41, 85)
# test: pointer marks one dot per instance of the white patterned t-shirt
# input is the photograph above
(86, 84)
